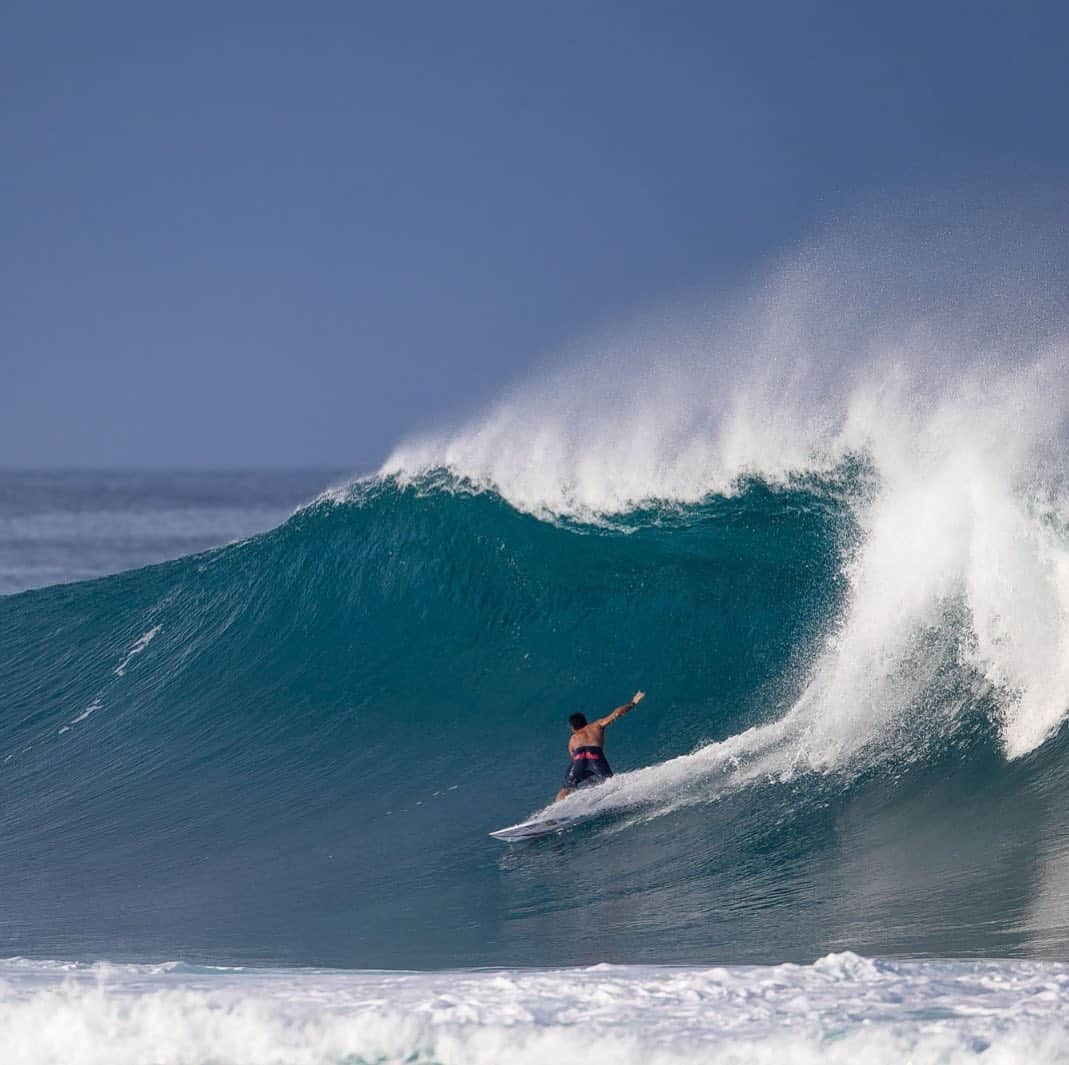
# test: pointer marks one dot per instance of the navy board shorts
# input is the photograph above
(588, 763)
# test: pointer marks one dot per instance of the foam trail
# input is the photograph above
(95, 705)
(141, 643)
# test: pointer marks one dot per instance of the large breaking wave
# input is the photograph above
(827, 531)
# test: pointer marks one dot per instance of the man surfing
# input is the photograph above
(585, 747)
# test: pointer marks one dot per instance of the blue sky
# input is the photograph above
(289, 234)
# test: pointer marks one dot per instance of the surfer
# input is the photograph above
(585, 747)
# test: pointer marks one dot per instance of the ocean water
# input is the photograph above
(70, 525)
(247, 791)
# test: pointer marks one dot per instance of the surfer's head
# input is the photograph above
(577, 721)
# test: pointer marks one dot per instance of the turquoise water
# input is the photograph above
(289, 750)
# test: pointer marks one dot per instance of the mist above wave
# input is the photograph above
(889, 341)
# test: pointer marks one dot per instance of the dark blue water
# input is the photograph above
(290, 750)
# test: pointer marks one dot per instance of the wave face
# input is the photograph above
(828, 532)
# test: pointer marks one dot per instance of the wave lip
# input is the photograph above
(835, 1010)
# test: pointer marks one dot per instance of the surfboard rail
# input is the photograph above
(539, 826)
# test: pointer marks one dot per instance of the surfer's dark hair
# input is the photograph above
(577, 721)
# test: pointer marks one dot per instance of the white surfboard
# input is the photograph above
(539, 827)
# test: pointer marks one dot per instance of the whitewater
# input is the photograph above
(823, 521)
(838, 1009)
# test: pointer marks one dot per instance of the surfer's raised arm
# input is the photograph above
(587, 762)
(621, 710)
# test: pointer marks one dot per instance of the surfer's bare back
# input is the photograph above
(585, 747)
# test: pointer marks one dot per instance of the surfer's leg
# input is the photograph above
(601, 769)
(574, 775)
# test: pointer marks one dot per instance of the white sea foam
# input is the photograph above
(843, 1008)
(92, 708)
(139, 645)
(951, 381)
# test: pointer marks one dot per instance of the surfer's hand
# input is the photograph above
(637, 698)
